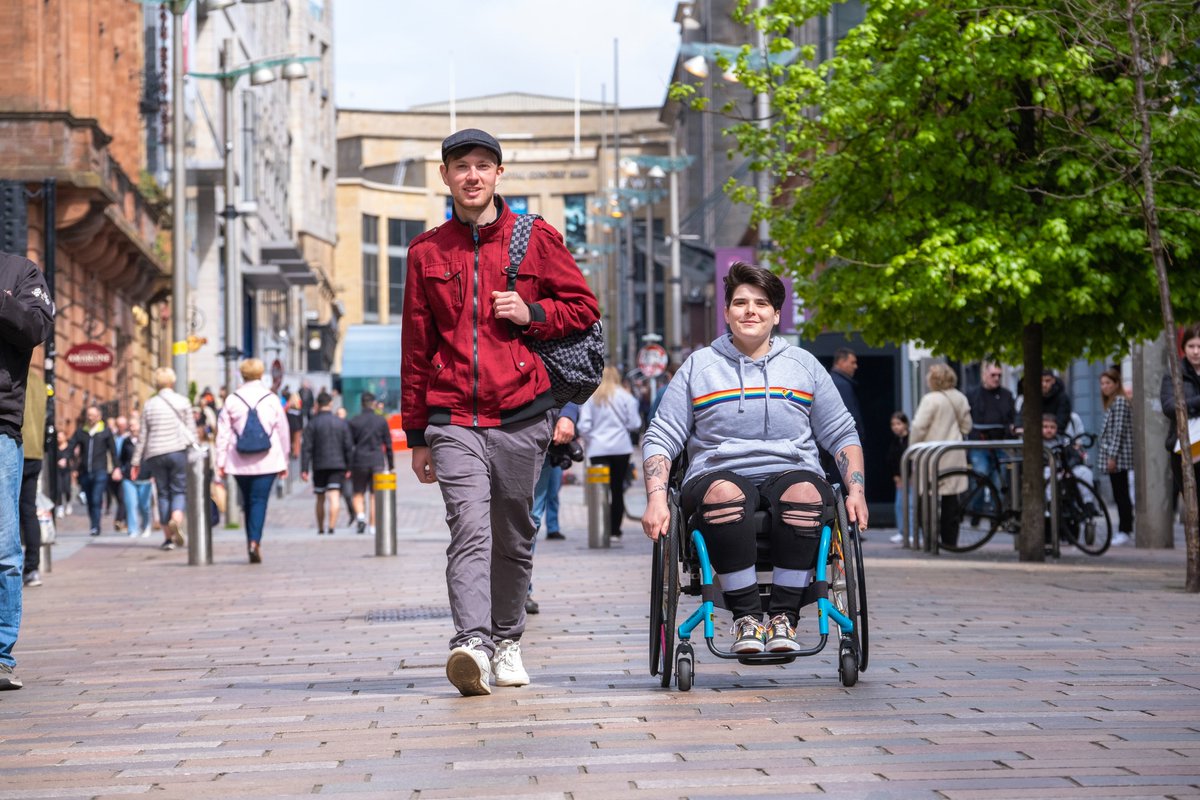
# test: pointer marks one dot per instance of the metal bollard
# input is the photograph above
(596, 495)
(383, 485)
(199, 534)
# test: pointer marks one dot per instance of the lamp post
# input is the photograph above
(179, 287)
(261, 72)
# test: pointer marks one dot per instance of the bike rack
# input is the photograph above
(922, 461)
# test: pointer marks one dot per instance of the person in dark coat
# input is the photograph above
(372, 452)
(1055, 399)
(845, 365)
(95, 452)
(327, 451)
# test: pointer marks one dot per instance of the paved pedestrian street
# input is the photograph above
(320, 672)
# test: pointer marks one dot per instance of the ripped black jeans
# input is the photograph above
(726, 521)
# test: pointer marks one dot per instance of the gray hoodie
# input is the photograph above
(717, 407)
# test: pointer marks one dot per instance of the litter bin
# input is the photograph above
(596, 495)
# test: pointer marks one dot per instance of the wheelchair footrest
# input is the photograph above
(767, 658)
(764, 659)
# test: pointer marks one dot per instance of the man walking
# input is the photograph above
(845, 365)
(26, 317)
(327, 451)
(95, 453)
(372, 452)
(476, 401)
(167, 431)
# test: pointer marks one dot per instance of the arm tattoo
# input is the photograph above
(843, 462)
(857, 478)
(656, 467)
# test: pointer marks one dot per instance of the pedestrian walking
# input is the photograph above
(139, 492)
(944, 415)
(476, 400)
(326, 453)
(116, 494)
(95, 455)
(606, 422)
(167, 431)
(1189, 346)
(63, 503)
(33, 435)
(372, 453)
(549, 483)
(26, 317)
(899, 443)
(845, 367)
(252, 446)
(1116, 449)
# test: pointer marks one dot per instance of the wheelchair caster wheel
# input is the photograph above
(848, 668)
(683, 673)
(684, 661)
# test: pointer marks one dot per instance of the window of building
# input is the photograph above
(575, 221)
(370, 264)
(400, 233)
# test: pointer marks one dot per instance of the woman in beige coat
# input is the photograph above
(944, 415)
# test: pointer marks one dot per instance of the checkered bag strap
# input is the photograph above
(518, 244)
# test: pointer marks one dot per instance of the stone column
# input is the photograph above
(1154, 524)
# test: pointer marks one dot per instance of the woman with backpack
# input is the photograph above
(253, 442)
(167, 433)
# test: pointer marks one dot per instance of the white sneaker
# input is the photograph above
(1120, 539)
(896, 538)
(469, 668)
(507, 666)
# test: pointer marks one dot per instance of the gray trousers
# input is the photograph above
(487, 476)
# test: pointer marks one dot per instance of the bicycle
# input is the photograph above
(985, 508)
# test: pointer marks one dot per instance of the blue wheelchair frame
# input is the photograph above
(705, 612)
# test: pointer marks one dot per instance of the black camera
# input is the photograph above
(561, 455)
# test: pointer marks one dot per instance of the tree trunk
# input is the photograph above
(1158, 253)
(1032, 542)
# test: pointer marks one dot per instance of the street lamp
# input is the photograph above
(261, 72)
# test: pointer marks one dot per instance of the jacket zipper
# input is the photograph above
(475, 333)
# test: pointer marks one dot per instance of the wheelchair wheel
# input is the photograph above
(664, 599)
(847, 591)
(976, 512)
(683, 671)
(1088, 528)
(847, 667)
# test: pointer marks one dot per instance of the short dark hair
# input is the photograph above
(324, 398)
(841, 354)
(1048, 417)
(741, 273)
(1187, 334)
(367, 399)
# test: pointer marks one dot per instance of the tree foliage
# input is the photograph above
(957, 172)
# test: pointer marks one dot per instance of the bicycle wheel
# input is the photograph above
(1089, 527)
(976, 512)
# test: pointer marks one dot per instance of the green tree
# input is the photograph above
(969, 177)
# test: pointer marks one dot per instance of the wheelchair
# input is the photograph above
(681, 566)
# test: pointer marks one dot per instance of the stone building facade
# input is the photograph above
(70, 111)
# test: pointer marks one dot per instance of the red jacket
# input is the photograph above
(461, 365)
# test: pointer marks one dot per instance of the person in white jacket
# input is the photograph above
(606, 421)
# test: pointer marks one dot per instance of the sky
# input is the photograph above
(394, 54)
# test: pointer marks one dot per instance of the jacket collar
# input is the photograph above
(492, 229)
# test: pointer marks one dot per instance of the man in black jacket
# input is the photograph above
(328, 449)
(372, 450)
(26, 319)
(95, 452)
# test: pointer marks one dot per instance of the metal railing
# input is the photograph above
(919, 477)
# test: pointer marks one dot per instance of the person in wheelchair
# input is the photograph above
(750, 411)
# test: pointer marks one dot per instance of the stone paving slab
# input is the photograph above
(300, 677)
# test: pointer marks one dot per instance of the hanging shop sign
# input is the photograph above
(89, 357)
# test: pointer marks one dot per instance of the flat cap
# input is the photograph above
(471, 137)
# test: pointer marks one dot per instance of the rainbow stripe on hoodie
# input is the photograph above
(754, 416)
